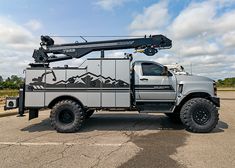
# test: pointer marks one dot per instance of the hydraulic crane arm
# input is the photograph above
(149, 45)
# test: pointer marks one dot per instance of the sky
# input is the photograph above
(202, 31)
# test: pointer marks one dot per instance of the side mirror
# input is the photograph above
(165, 71)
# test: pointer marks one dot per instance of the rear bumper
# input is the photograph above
(216, 101)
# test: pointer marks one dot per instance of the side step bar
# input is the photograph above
(155, 111)
(156, 107)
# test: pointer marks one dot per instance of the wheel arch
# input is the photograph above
(193, 95)
(64, 97)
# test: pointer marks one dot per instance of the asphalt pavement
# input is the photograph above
(114, 139)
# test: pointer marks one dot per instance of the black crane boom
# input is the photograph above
(149, 45)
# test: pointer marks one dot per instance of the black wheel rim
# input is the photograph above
(66, 116)
(201, 116)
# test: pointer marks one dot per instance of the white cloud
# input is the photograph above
(13, 62)
(202, 33)
(115, 54)
(11, 33)
(16, 47)
(201, 19)
(228, 39)
(110, 4)
(196, 48)
(225, 23)
(195, 20)
(34, 25)
(153, 17)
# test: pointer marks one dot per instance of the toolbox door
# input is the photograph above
(93, 78)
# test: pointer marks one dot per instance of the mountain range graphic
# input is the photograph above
(86, 80)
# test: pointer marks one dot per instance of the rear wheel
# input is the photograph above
(199, 115)
(66, 116)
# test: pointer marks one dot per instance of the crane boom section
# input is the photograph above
(78, 50)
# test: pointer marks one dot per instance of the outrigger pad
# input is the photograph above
(33, 113)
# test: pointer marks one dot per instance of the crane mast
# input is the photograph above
(50, 52)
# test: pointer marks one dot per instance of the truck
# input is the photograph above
(74, 93)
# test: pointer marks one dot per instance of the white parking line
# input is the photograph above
(54, 144)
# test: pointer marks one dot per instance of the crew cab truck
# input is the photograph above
(74, 93)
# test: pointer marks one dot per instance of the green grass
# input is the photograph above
(8, 92)
(226, 88)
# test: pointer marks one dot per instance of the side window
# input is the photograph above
(150, 69)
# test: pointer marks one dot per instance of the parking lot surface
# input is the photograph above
(125, 139)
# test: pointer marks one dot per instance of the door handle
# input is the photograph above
(142, 79)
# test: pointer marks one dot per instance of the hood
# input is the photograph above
(193, 78)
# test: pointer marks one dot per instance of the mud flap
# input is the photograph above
(33, 113)
(21, 101)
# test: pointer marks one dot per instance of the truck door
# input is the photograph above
(151, 85)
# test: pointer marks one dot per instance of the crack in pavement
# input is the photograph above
(59, 158)
(17, 162)
(29, 139)
(107, 155)
(27, 162)
(22, 141)
(98, 162)
(87, 156)
(5, 147)
(92, 136)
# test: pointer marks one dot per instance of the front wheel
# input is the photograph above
(199, 115)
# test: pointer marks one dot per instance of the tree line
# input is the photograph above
(227, 82)
(12, 82)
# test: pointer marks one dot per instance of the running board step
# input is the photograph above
(156, 107)
(155, 111)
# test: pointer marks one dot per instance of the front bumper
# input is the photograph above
(216, 101)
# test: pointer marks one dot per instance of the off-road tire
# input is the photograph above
(88, 114)
(70, 123)
(199, 115)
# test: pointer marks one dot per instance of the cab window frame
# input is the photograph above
(142, 68)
